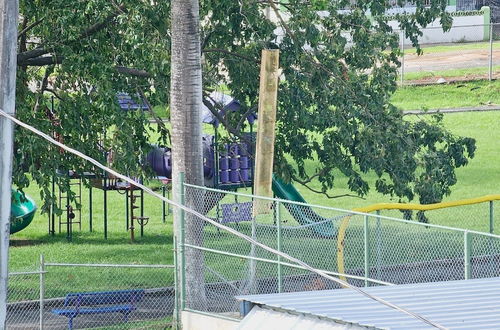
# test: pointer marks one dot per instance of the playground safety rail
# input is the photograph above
(363, 249)
(473, 214)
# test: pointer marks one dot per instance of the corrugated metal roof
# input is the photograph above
(471, 304)
(261, 318)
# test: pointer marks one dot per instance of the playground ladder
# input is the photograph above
(141, 220)
(73, 214)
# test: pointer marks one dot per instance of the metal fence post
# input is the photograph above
(42, 289)
(490, 60)
(402, 57)
(379, 247)
(491, 218)
(177, 319)
(367, 250)
(278, 225)
(467, 255)
(182, 201)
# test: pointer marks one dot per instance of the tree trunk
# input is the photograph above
(185, 107)
(9, 12)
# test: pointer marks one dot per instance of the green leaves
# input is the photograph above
(339, 71)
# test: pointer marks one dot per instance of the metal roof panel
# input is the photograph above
(474, 304)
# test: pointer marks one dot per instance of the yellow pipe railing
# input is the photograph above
(426, 207)
(399, 206)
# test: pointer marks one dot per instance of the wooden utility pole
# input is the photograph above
(9, 12)
(264, 151)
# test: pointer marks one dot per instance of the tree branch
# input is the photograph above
(305, 184)
(133, 72)
(43, 60)
(224, 51)
(101, 25)
(29, 27)
(40, 51)
(52, 60)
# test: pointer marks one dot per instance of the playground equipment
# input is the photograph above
(227, 165)
(22, 211)
(303, 214)
(230, 165)
(72, 214)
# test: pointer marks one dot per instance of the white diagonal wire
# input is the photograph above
(218, 225)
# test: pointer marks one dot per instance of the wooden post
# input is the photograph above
(9, 11)
(264, 151)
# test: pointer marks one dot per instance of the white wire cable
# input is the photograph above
(218, 225)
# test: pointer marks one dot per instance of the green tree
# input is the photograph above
(339, 71)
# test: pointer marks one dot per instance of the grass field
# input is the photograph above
(481, 177)
(459, 74)
(456, 95)
(431, 49)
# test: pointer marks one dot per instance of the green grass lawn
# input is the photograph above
(456, 95)
(460, 74)
(481, 177)
(430, 49)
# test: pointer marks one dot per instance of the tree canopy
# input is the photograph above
(339, 62)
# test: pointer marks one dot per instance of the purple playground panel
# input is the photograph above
(235, 165)
(236, 212)
(160, 160)
(126, 102)
(234, 162)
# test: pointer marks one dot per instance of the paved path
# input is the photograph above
(460, 59)
(453, 110)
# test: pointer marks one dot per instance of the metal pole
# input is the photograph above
(490, 59)
(278, 224)
(402, 57)
(9, 10)
(42, 289)
(467, 255)
(142, 212)
(127, 225)
(68, 219)
(367, 250)
(182, 201)
(177, 319)
(53, 213)
(379, 248)
(163, 204)
(105, 188)
(90, 208)
(491, 218)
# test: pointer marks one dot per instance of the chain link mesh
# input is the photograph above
(464, 53)
(366, 248)
(23, 301)
(483, 217)
(93, 296)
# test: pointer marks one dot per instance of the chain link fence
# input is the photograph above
(468, 52)
(92, 296)
(365, 250)
(482, 216)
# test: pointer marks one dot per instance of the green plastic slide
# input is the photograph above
(303, 214)
(22, 211)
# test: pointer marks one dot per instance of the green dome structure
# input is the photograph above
(22, 211)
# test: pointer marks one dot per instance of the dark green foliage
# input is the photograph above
(339, 71)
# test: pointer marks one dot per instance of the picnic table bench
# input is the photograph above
(86, 303)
